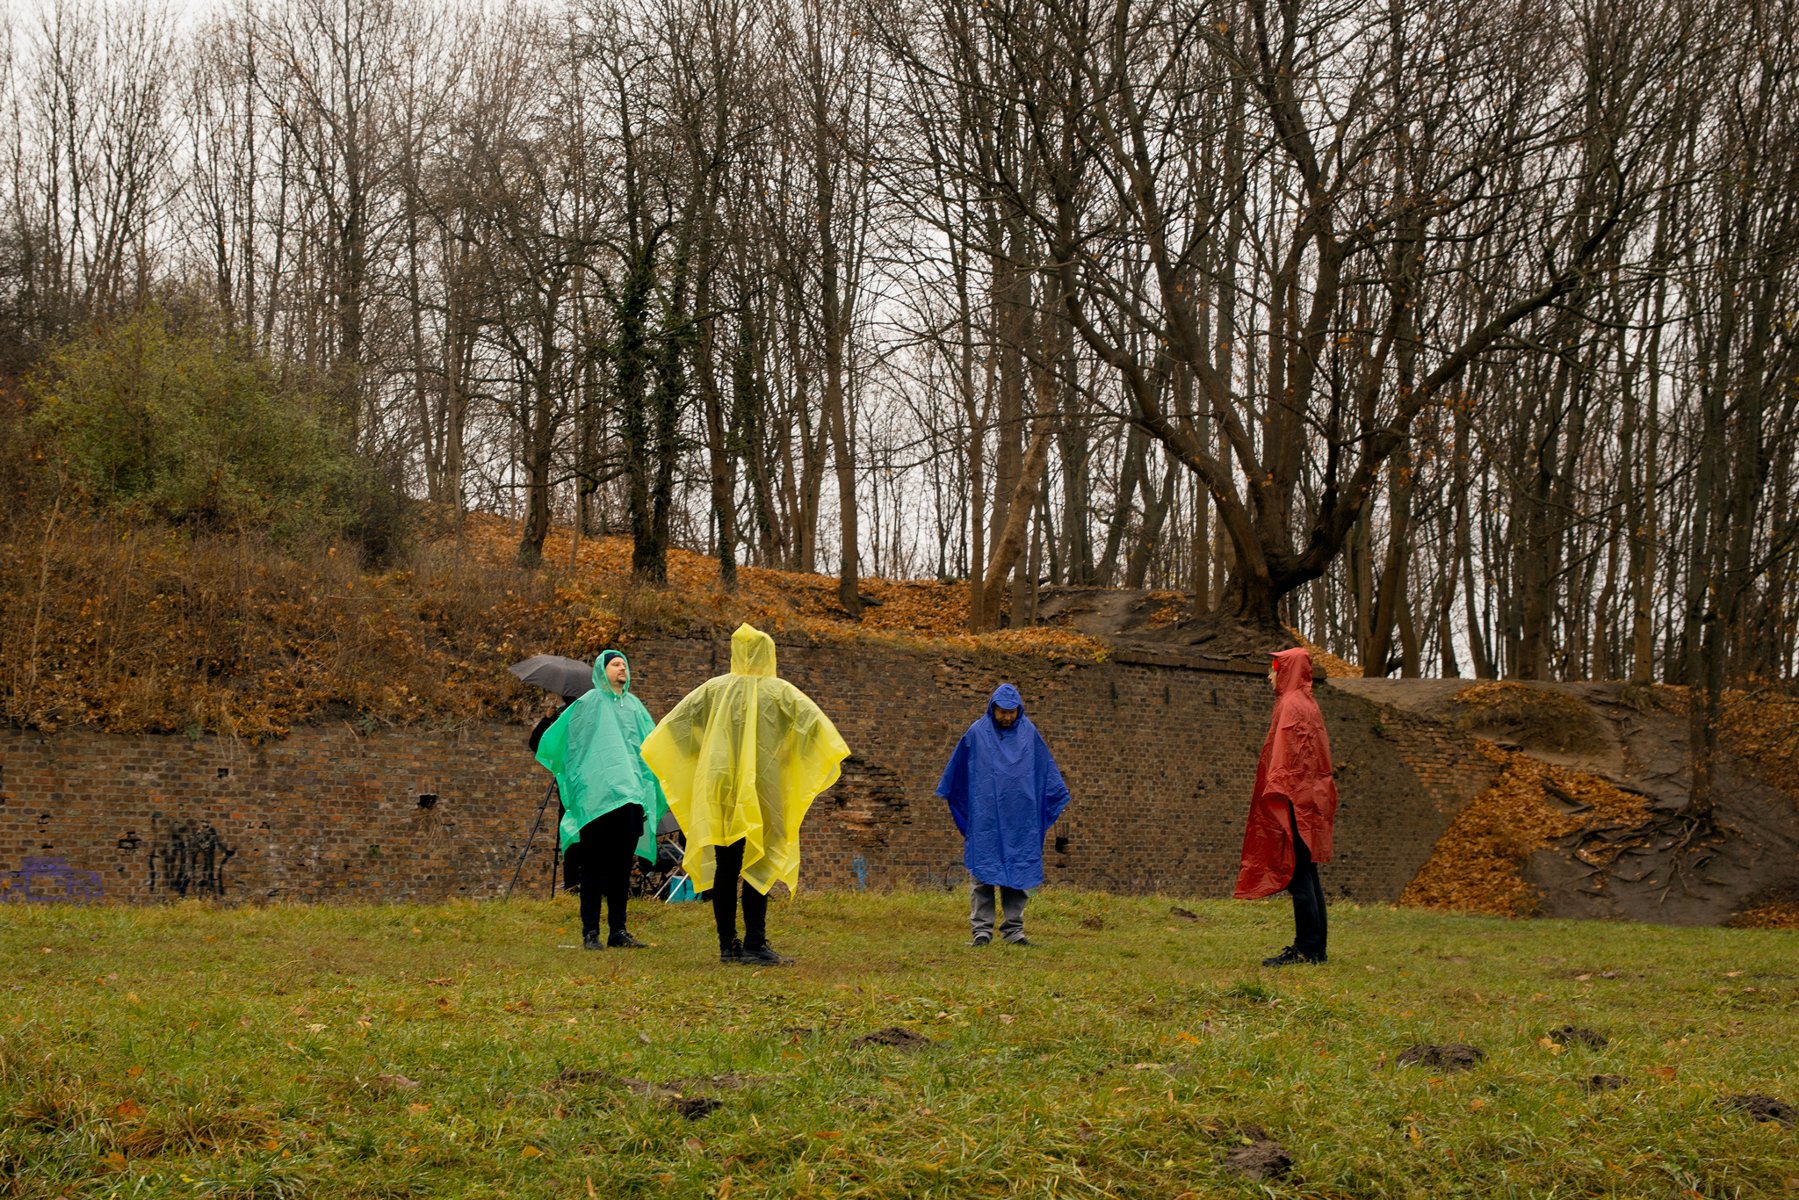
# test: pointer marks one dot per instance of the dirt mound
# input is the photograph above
(1603, 1083)
(1454, 1057)
(1762, 1108)
(894, 1036)
(1478, 864)
(1259, 1160)
(1602, 832)
(1530, 717)
(1574, 1035)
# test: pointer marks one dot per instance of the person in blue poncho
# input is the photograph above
(611, 802)
(1004, 791)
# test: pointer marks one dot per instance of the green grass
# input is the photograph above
(416, 1051)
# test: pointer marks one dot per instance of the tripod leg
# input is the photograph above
(535, 826)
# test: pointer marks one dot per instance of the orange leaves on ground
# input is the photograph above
(1477, 862)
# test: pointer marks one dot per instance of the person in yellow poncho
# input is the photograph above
(741, 760)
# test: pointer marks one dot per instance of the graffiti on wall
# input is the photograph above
(49, 881)
(187, 858)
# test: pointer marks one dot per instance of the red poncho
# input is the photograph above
(1295, 766)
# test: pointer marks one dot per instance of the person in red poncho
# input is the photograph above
(1292, 811)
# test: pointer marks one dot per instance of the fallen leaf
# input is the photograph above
(529, 1152)
(128, 1109)
(418, 1110)
(133, 1072)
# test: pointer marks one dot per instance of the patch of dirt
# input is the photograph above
(1093, 923)
(1762, 1108)
(695, 1108)
(1263, 1158)
(1534, 718)
(1185, 914)
(894, 1036)
(1479, 863)
(1453, 1057)
(1596, 1084)
(1600, 833)
(1569, 1035)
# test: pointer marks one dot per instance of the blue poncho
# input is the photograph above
(1005, 792)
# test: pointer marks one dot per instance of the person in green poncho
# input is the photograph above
(611, 803)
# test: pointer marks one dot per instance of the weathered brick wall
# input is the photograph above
(1160, 761)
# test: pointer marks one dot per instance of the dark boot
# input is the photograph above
(1291, 957)
(763, 955)
(730, 952)
(590, 940)
(622, 938)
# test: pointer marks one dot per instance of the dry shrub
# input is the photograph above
(192, 1124)
(1541, 717)
(57, 1106)
(134, 629)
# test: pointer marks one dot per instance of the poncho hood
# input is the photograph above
(599, 670)
(592, 750)
(742, 757)
(1292, 671)
(752, 652)
(1295, 768)
(1005, 696)
(1004, 791)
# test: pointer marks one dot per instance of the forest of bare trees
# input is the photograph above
(1459, 334)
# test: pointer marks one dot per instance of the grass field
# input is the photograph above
(468, 1050)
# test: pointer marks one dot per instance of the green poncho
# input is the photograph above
(592, 750)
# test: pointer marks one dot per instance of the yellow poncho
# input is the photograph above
(743, 756)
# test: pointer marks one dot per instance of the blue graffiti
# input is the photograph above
(49, 881)
(859, 865)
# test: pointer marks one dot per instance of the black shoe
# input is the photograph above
(1291, 957)
(1020, 940)
(763, 955)
(732, 953)
(981, 939)
(590, 940)
(624, 940)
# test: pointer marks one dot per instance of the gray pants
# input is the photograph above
(1011, 901)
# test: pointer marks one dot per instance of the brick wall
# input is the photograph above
(1160, 760)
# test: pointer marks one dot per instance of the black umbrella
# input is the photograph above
(566, 677)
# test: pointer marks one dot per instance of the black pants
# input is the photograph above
(603, 858)
(724, 901)
(1309, 922)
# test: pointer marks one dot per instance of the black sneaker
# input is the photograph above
(981, 939)
(590, 940)
(624, 940)
(1020, 940)
(1291, 957)
(732, 953)
(763, 955)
